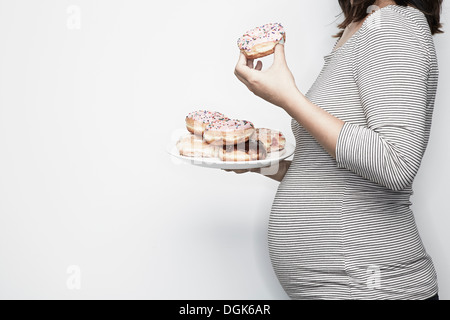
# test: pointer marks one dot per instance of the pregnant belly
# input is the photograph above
(319, 237)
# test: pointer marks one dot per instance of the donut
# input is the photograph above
(197, 121)
(194, 146)
(261, 41)
(273, 140)
(248, 151)
(228, 132)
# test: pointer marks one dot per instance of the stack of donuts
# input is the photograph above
(214, 135)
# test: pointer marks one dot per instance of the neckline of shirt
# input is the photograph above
(355, 35)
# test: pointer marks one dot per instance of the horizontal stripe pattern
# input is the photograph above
(343, 228)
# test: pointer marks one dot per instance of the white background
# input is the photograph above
(87, 114)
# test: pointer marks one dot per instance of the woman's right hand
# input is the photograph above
(242, 171)
(276, 173)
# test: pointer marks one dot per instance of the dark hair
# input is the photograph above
(358, 11)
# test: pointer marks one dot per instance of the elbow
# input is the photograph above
(400, 179)
(398, 184)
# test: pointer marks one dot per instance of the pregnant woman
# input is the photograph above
(341, 226)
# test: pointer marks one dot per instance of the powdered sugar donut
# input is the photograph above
(197, 121)
(194, 146)
(261, 41)
(228, 132)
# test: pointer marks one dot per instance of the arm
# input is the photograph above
(391, 72)
(387, 151)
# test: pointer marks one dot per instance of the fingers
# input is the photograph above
(245, 69)
(242, 171)
(242, 69)
(259, 65)
(250, 63)
(280, 57)
(237, 171)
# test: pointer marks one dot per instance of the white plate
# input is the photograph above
(271, 160)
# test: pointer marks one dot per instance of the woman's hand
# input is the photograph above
(242, 171)
(275, 172)
(275, 85)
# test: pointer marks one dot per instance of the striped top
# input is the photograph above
(343, 228)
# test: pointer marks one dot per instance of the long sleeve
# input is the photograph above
(391, 69)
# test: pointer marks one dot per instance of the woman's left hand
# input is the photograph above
(275, 85)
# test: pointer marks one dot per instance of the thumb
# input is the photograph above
(242, 60)
(280, 57)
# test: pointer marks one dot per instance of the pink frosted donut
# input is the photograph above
(197, 121)
(228, 132)
(261, 41)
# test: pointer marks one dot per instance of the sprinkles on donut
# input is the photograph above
(197, 121)
(228, 131)
(261, 41)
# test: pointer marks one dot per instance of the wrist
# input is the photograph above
(296, 99)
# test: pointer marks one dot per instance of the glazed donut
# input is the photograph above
(197, 121)
(194, 146)
(261, 41)
(248, 151)
(228, 132)
(273, 140)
